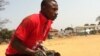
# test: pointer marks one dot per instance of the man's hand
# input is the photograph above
(42, 47)
(39, 53)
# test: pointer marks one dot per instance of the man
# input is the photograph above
(33, 30)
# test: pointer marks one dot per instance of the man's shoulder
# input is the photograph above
(33, 18)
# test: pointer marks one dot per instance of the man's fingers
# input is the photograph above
(40, 53)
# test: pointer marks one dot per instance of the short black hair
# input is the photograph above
(46, 2)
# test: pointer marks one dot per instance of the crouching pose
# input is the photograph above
(32, 30)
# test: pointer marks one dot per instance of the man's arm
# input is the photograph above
(19, 46)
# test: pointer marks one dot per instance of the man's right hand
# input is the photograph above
(39, 53)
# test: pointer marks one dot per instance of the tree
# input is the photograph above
(3, 22)
(86, 24)
(69, 28)
(5, 35)
(2, 4)
(98, 19)
(92, 24)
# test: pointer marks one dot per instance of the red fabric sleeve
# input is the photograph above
(24, 29)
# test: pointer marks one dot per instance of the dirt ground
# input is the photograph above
(71, 46)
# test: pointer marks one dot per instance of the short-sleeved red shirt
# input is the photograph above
(32, 29)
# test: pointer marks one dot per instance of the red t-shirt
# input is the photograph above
(32, 29)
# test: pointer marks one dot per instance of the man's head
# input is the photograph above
(49, 9)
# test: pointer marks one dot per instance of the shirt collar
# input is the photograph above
(43, 18)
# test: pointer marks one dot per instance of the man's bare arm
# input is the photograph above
(19, 46)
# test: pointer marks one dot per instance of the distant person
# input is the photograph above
(61, 33)
(33, 30)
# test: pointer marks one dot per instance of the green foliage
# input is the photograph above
(5, 35)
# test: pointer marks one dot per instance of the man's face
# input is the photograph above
(51, 10)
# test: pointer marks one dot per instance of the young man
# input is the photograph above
(33, 30)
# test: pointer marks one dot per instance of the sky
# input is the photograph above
(71, 13)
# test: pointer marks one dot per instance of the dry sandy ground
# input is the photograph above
(71, 46)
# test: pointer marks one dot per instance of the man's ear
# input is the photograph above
(44, 7)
